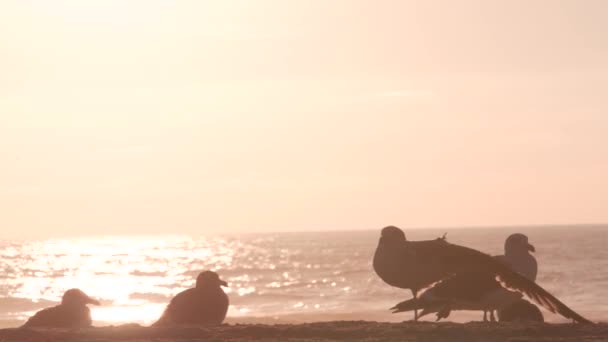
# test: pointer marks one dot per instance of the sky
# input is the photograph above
(146, 116)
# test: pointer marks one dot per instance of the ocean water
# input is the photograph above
(274, 277)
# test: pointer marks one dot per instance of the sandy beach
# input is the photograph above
(325, 331)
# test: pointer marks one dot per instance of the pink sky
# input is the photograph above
(205, 116)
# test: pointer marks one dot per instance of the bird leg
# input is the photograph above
(415, 293)
(485, 315)
(492, 318)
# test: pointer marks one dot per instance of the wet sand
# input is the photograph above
(323, 331)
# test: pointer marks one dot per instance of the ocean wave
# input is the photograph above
(138, 273)
(150, 297)
(14, 304)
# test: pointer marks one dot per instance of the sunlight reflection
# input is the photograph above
(135, 277)
(146, 314)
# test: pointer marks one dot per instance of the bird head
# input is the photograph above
(75, 297)
(517, 244)
(209, 279)
(391, 235)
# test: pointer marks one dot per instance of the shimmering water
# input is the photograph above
(272, 277)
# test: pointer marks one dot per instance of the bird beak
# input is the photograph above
(223, 283)
(531, 248)
(93, 301)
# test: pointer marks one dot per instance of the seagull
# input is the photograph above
(71, 313)
(416, 265)
(206, 304)
(517, 256)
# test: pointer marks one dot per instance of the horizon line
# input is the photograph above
(299, 231)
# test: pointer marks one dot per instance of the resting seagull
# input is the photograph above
(206, 304)
(71, 313)
(415, 265)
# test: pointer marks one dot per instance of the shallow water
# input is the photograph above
(282, 277)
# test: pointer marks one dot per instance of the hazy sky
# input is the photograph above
(201, 116)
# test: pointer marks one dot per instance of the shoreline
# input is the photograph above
(322, 331)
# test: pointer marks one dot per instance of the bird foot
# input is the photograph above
(443, 313)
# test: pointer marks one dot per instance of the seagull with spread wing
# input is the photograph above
(416, 265)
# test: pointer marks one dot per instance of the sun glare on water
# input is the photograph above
(146, 313)
(133, 277)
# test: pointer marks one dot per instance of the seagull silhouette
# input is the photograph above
(206, 304)
(71, 313)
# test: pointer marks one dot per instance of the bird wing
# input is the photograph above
(173, 313)
(47, 317)
(526, 266)
(37, 319)
(502, 259)
(469, 286)
(183, 306)
(449, 259)
(463, 287)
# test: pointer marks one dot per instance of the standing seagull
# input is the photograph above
(415, 265)
(206, 304)
(71, 313)
(517, 256)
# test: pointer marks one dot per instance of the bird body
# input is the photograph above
(71, 313)
(61, 317)
(398, 262)
(206, 304)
